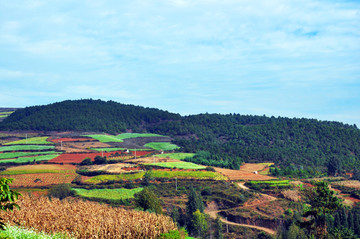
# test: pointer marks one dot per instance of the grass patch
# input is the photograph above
(180, 165)
(120, 138)
(34, 140)
(178, 156)
(157, 174)
(161, 146)
(13, 232)
(36, 169)
(23, 154)
(30, 159)
(188, 174)
(271, 182)
(25, 147)
(107, 178)
(112, 194)
(116, 149)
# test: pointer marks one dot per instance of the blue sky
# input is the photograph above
(278, 58)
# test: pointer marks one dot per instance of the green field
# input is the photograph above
(3, 116)
(180, 165)
(157, 174)
(161, 146)
(113, 194)
(30, 159)
(34, 140)
(23, 154)
(120, 138)
(116, 149)
(178, 156)
(17, 172)
(25, 147)
(271, 182)
(106, 178)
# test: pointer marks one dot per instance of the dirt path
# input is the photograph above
(213, 214)
(212, 210)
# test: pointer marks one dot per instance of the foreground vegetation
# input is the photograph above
(67, 217)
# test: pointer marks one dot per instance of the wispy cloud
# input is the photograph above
(288, 58)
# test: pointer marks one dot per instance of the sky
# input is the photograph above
(289, 58)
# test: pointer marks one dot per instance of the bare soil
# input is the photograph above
(246, 172)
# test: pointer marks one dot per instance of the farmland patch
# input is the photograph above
(34, 140)
(180, 165)
(25, 148)
(162, 146)
(112, 194)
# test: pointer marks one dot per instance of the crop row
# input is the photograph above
(120, 138)
(23, 154)
(161, 146)
(25, 148)
(30, 159)
(112, 194)
(180, 165)
(157, 174)
(34, 140)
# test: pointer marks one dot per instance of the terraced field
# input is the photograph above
(112, 194)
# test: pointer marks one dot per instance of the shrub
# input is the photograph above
(60, 191)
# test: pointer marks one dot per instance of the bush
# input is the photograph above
(60, 191)
(86, 161)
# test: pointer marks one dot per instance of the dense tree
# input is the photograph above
(194, 203)
(322, 201)
(147, 200)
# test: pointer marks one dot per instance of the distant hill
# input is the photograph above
(299, 146)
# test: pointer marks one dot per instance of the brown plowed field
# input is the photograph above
(115, 168)
(245, 172)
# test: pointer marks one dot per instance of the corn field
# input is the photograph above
(84, 219)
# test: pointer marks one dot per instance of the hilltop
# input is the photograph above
(299, 146)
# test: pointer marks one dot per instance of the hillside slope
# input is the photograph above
(301, 145)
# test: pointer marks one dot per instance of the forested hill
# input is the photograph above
(82, 115)
(298, 145)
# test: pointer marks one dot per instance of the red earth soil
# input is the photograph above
(70, 140)
(78, 157)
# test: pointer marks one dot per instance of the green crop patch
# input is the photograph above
(157, 174)
(120, 138)
(116, 149)
(188, 174)
(161, 146)
(26, 147)
(271, 182)
(180, 165)
(30, 159)
(34, 140)
(112, 194)
(178, 156)
(119, 177)
(23, 154)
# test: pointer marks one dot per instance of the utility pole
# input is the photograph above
(26, 139)
(61, 145)
(176, 184)
(102, 153)
(135, 153)
(227, 226)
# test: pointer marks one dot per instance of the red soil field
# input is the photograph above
(70, 140)
(78, 157)
(141, 153)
